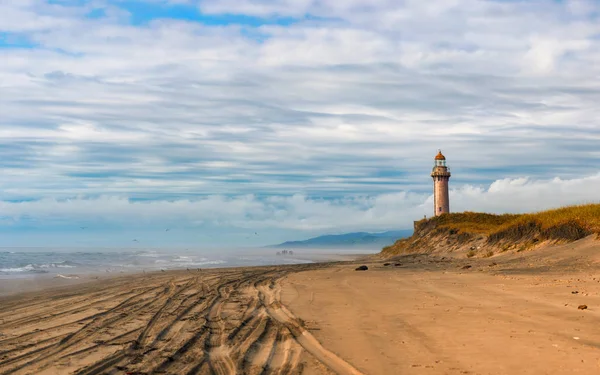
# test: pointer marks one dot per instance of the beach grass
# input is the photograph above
(562, 225)
(586, 216)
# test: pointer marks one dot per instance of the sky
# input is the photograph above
(249, 122)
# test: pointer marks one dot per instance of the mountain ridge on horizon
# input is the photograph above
(353, 239)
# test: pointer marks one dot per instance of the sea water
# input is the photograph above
(71, 263)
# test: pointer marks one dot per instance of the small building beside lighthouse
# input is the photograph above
(441, 177)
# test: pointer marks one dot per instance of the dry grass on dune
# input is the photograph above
(470, 222)
(562, 224)
(587, 216)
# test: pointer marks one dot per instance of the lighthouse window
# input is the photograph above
(440, 209)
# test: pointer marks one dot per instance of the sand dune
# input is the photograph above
(504, 315)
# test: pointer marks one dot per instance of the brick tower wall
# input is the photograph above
(441, 196)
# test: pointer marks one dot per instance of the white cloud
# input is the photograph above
(527, 195)
(301, 213)
(350, 101)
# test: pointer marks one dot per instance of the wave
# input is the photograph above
(65, 264)
(28, 268)
(146, 253)
(39, 268)
(59, 276)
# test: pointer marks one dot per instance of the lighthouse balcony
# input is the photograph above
(440, 172)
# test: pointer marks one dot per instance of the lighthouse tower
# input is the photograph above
(441, 176)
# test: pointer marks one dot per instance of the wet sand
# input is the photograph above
(511, 314)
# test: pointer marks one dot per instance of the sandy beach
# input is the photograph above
(416, 314)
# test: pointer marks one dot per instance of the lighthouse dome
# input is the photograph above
(440, 156)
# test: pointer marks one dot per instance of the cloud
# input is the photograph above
(324, 100)
(302, 213)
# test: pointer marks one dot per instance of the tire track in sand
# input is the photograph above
(195, 323)
(270, 297)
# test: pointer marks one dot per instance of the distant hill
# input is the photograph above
(357, 239)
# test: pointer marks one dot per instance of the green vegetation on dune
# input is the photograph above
(562, 225)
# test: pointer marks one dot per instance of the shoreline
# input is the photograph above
(14, 286)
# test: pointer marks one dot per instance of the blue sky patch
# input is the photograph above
(143, 12)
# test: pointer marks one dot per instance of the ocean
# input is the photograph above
(66, 263)
(25, 263)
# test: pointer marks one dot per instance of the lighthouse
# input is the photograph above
(441, 176)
